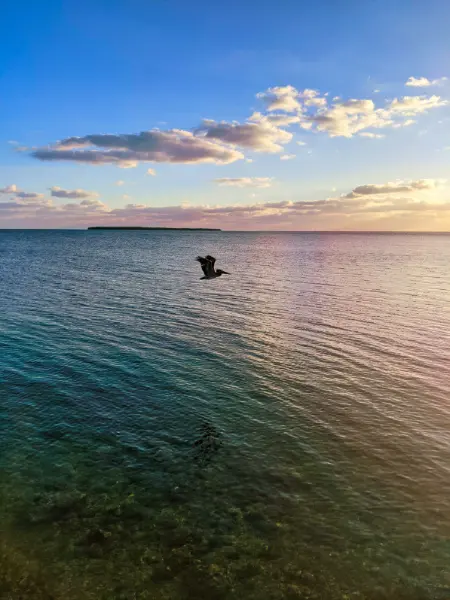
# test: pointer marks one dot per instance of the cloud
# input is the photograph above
(318, 102)
(287, 156)
(343, 118)
(392, 205)
(281, 98)
(91, 203)
(356, 115)
(9, 189)
(394, 187)
(19, 195)
(151, 172)
(128, 150)
(78, 193)
(259, 182)
(369, 134)
(120, 182)
(414, 105)
(28, 195)
(261, 137)
(279, 120)
(291, 100)
(406, 123)
(223, 142)
(424, 82)
(301, 143)
(211, 142)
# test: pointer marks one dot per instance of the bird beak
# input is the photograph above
(226, 273)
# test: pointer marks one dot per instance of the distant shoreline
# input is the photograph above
(154, 228)
(237, 231)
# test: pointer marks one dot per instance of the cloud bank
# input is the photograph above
(393, 205)
(342, 118)
(266, 131)
(60, 193)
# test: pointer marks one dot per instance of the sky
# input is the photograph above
(326, 115)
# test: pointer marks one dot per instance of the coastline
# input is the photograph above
(100, 228)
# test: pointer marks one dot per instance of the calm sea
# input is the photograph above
(315, 380)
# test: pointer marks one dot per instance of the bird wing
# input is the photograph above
(206, 264)
(211, 259)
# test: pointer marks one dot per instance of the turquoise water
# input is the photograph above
(321, 369)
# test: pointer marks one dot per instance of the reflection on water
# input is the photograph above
(280, 434)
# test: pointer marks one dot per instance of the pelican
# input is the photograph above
(207, 264)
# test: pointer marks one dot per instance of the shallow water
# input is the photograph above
(322, 368)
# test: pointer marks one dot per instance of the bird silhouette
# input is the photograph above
(207, 264)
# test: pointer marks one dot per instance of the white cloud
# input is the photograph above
(260, 182)
(222, 142)
(347, 118)
(356, 115)
(308, 94)
(343, 118)
(424, 82)
(279, 120)
(369, 134)
(281, 98)
(151, 172)
(120, 182)
(287, 156)
(301, 143)
(9, 189)
(319, 102)
(291, 100)
(414, 105)
(74, 194)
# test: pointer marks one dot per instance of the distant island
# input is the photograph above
(156, 228)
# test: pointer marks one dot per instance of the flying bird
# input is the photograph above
(207, 264)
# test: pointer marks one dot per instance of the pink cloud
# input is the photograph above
(366, 204)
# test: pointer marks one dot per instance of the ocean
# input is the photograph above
(279, 433)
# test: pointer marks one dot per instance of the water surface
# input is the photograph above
(322, 365)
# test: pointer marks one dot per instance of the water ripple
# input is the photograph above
(323, 366)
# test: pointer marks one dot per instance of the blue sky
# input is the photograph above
(77, 69)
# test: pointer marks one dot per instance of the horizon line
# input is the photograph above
(214, 230)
